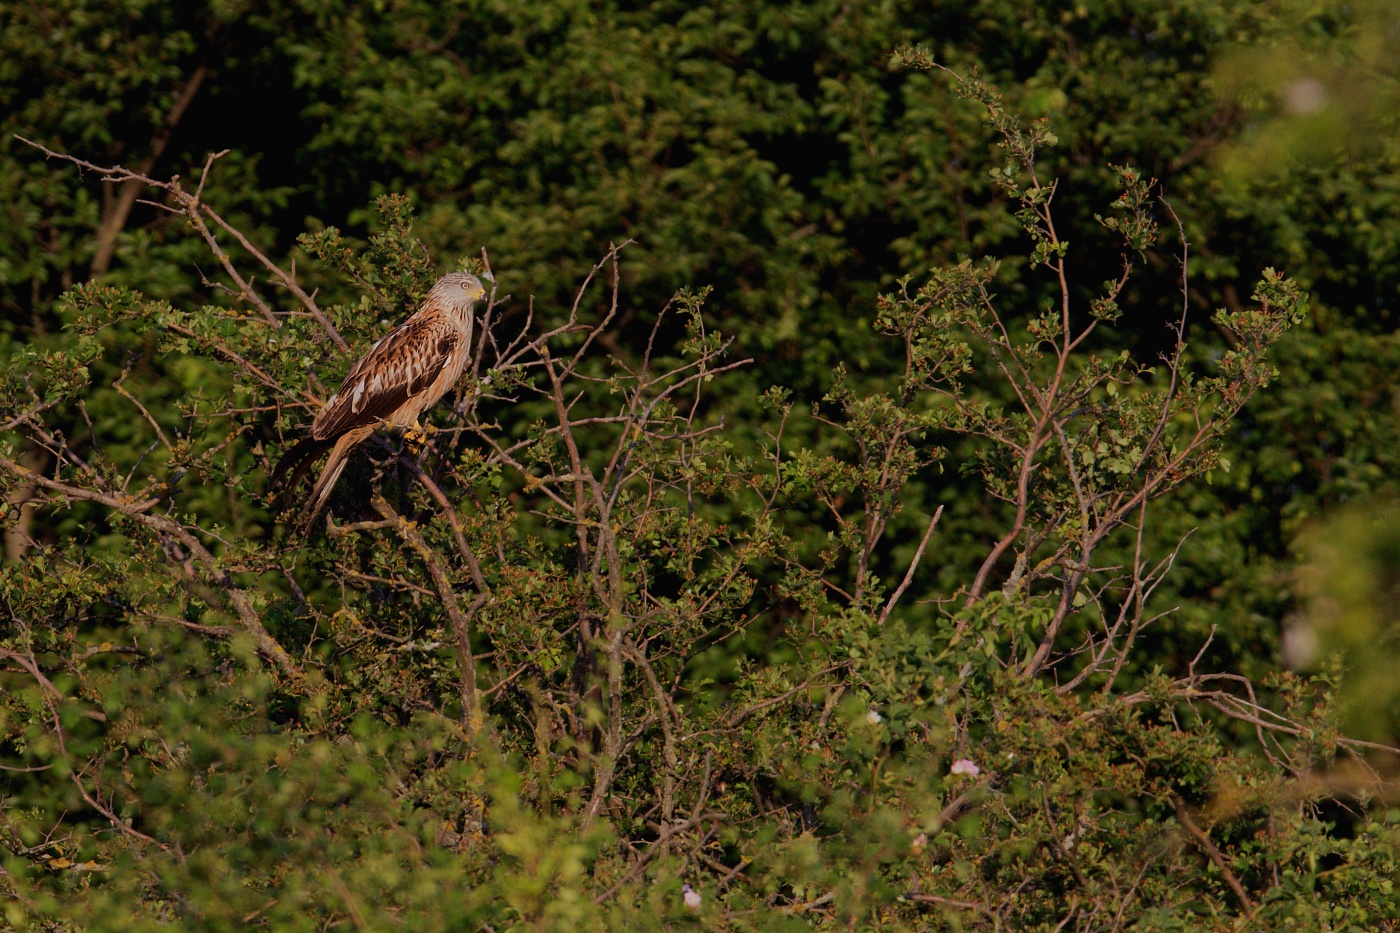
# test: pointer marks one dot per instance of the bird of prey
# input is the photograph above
(402, 376)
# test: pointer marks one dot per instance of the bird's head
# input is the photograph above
(458, 290)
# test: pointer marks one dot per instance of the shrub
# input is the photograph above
(592, 641)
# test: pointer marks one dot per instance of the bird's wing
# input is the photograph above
(402, 364)
(295, 462)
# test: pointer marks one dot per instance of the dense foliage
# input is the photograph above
(858, 509)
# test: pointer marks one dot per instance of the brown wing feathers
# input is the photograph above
(393, 371)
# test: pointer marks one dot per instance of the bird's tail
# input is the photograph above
(296, 461)
(325, 483)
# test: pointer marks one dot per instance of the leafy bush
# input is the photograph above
(593, 641)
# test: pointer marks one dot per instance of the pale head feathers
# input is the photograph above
(456, 291)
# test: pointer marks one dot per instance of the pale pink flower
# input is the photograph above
(965, 766)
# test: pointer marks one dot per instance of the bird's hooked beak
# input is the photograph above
(487, 282)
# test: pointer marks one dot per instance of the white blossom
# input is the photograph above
(1305, 96)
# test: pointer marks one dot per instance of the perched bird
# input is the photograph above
(691, 897)
(402, 376)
